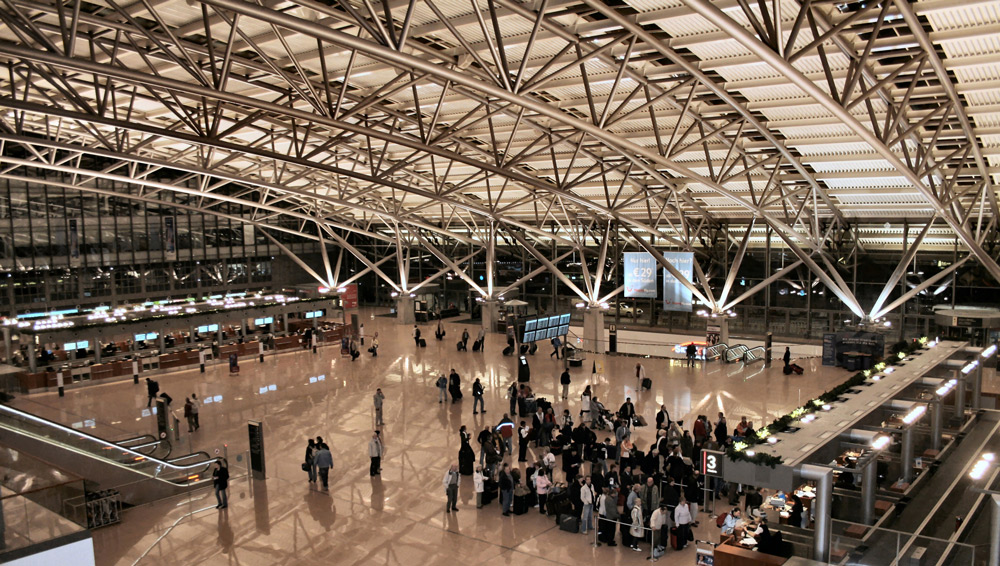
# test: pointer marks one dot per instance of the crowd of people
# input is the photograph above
(587, 466)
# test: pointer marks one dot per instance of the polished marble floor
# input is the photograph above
(397, 518)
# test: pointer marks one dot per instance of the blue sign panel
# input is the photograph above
(640, 275)
(676, 296)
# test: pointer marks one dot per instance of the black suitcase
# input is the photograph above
(647, 383)
(787, 370)
(520, 504)
(477, 345)
(558, 504)
(508, 350)
(569, 523)
(533, 348)
(524, 349)
(423, 343)
(460, 346)
(491, 489)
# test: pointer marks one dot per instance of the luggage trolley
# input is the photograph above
(704, 553)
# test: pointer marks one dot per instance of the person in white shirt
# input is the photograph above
(732, 521)
(587, 497)
(682, 517)
(640, 374)
(361, 333)
(478, 481)
(542, 486)
(550, 461)
(658, 523)
(585, 415)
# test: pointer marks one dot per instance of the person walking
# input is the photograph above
(465, 338)
(361, 333)
(451, 481)
(481, 338)
(194, 410)
(442, 385)
(477, 397)
(378, 398)
(324, 461)
(454, 386)
(375, 451)
(188, 415)
(506, 430)
(152, 388)
(692, 353)
(564, 380)
(310, 460)
(220, 481)
(556, 344)
(640, 374)
(416, 335)
(374, 348)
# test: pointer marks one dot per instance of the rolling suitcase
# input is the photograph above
(508, 351)
(460, 346)
(647, 383)
(533, 348)
(787, 370)
(423, 343)
(477, 345)
(520, 504)
(569, 523)
(675, 542)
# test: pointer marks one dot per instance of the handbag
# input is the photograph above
(305, 467)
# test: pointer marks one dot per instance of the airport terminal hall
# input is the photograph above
(499, 282)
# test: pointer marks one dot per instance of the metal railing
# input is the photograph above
(715, 352)
(755, 354)
(735, 353)
(20, 422)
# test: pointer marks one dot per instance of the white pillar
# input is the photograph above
(404, 310)
(490, 315)
(723, 329)
(593, 331)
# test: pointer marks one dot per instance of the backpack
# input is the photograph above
(721, 520)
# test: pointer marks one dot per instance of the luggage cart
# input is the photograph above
(704, 553)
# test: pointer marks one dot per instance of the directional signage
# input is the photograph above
(712, 463)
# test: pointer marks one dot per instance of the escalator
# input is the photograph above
(140, 468)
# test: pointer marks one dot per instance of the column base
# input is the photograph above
(404, 310)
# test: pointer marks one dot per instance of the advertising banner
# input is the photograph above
(640, 275)
(676, 296)
(170, 237)
(74, 242)
(350, 296)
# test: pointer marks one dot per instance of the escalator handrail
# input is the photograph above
(186, 456)
(145, 438)
(98, 440)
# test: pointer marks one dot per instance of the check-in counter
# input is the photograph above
(287, 342)
(731, 553)
(32, 381)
